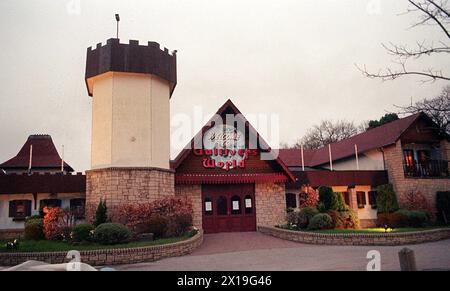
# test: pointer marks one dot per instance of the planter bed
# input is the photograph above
(358, 237)
(97, 255)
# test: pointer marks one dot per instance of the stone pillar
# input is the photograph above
(353, 200)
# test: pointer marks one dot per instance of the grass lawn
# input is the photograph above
(374, 230)
(54, 246)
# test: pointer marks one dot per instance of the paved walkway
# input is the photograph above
(257, 252)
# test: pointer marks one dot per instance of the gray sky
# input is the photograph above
(292, 58)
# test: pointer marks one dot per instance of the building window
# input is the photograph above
(235, 205)
(248, 204)
(373, 199)
(361, 199)
(19, 209)
(346, 197)
(291, 200)
(77, 207)
(222, 207)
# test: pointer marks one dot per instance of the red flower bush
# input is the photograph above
(57, 223)
(175, 210)
(415, 200)
(308, 197)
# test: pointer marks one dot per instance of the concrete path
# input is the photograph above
(257, 252)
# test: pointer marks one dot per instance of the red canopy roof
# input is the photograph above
(44, 156)
(378, 137)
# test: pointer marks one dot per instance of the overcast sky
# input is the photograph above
(292, 58)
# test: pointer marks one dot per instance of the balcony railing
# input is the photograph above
(427, 169)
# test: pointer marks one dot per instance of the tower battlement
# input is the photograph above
(131, 58)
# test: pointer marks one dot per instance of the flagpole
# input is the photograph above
(62, 159)
(31, 159)
(303, 159)
(331, 159)
(357, 158)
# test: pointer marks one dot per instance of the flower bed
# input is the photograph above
(362, 239)
(111, 255)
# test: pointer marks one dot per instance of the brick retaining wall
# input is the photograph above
(370, 239)
(110, 256)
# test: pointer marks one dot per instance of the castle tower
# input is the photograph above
(131, 86)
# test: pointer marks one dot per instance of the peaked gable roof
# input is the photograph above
(378, 137)
(44, 155)
(229, 106)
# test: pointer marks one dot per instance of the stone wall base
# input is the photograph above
(358, 239)
(110, 256)
(119, 186)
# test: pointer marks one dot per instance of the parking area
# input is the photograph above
(253, 251)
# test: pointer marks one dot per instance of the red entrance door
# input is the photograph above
(228, 208)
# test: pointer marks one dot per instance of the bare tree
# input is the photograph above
(433, 12)
(437, 108)
(327, 132)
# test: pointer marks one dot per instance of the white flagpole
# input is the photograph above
(31, 159)
(62, 159)
(357, 158)
(331, 159)
(303, 159)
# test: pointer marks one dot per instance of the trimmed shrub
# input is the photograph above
(443, 206)
(415, 218)
(34, 229)
(386, 199)
(101, 215)
(82, 232)
(328, 198)
(393, 220)
(112, 233)
(320, 221)
(305, 215)
(350, 218)
(347, 219)
(292, 218)
(182, 222)
(157, 225)
(338, 220)
(419, 218)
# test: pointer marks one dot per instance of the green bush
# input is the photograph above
(350, 218)
(347, 219)
(393, 220)
(386, 199)
(101, 215)
(305, 215)
(82, 232)
(338, 221)
(415, 218)
(328, 198)
(157, 225)
(112, 233)
(320, 221)
(182, 222)
(34, 229)
(443, 206)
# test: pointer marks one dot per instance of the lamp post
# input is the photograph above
(118, 20)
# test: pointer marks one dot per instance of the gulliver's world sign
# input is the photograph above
(224, 148)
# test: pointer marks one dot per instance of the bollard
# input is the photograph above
(407, 260)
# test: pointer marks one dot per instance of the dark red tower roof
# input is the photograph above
(45, 156)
